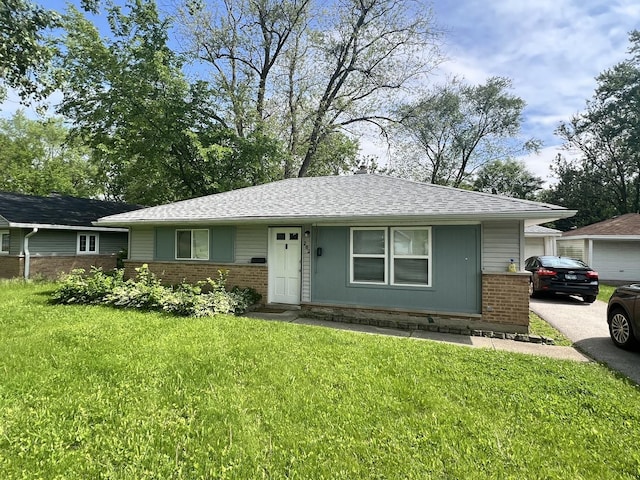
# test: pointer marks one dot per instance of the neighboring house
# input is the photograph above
(540, 240)
(357, 246)
(611, 247)
(44, 236)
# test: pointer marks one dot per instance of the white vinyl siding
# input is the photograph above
(251, 241)
(533, 247)
(500, 243)
(141, 243)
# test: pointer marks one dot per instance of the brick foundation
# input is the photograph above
(10, 267)
(505, 298)
(173, 273)
(50, 267)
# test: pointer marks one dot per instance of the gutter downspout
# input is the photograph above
(27, 254)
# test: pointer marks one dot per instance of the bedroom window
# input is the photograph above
(192, 244)
(369, 255)
(391, 256)
(4, 241)
(87, 243)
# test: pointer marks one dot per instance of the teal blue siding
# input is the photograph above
(456, 274)
(221, 244)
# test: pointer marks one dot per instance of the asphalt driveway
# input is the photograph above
(586, 326)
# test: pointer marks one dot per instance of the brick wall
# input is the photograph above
(51, 267)
(10, 267)
(254, 276)
(505, 298)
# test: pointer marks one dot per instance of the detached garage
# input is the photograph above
(612, 247)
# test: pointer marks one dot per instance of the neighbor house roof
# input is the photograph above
(341, 198)
(627, 225)
(56, 211)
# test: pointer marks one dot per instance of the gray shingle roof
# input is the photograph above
(540, 230)
(57, 209)
(340, 198)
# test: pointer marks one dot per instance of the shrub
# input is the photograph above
(146, 292)
(78, 287)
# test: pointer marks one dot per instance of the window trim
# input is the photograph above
(393, 256)
(2, 233)
(96, 251)
(384, 256)
(389, 256)
(192, 230)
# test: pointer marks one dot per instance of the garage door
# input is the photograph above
(617, 260)
(533, 246)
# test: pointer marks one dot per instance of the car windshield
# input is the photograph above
(559, 262)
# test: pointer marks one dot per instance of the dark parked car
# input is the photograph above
(623, 316)
(564, 275)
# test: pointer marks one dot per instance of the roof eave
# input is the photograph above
(530, 218)
(601, 237)
(84, 228)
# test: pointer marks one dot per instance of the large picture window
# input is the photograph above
(410, 256)
(192, 244)
(391, 255)
(369, 255)
(88, 244)
(4, 241)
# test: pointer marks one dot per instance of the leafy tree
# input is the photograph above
(156, 137)
(305, 72)
(456, 128)
(607, 133)
(25, 48)
(507, 177)
(578, 189)
(38, 158)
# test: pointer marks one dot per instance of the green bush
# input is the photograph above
(146, 292)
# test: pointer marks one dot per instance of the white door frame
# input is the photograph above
(285, 286)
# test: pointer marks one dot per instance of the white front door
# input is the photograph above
(285, 250)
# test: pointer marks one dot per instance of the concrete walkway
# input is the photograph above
(586, 326)
(552, 351)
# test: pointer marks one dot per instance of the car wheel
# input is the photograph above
(532, 290)
(589, 298)
(620, 329)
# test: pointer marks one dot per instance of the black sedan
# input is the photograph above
(567, 276)
(623, 316)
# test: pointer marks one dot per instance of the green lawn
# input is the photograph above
(605, 292)
(91, 392)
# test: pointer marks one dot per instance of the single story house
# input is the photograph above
(44, 236)
(539, 240)
(356, 246)
(611, 247)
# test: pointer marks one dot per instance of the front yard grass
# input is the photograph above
(538, 326)
(93, 392)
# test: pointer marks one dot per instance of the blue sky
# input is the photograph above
(551, 49)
